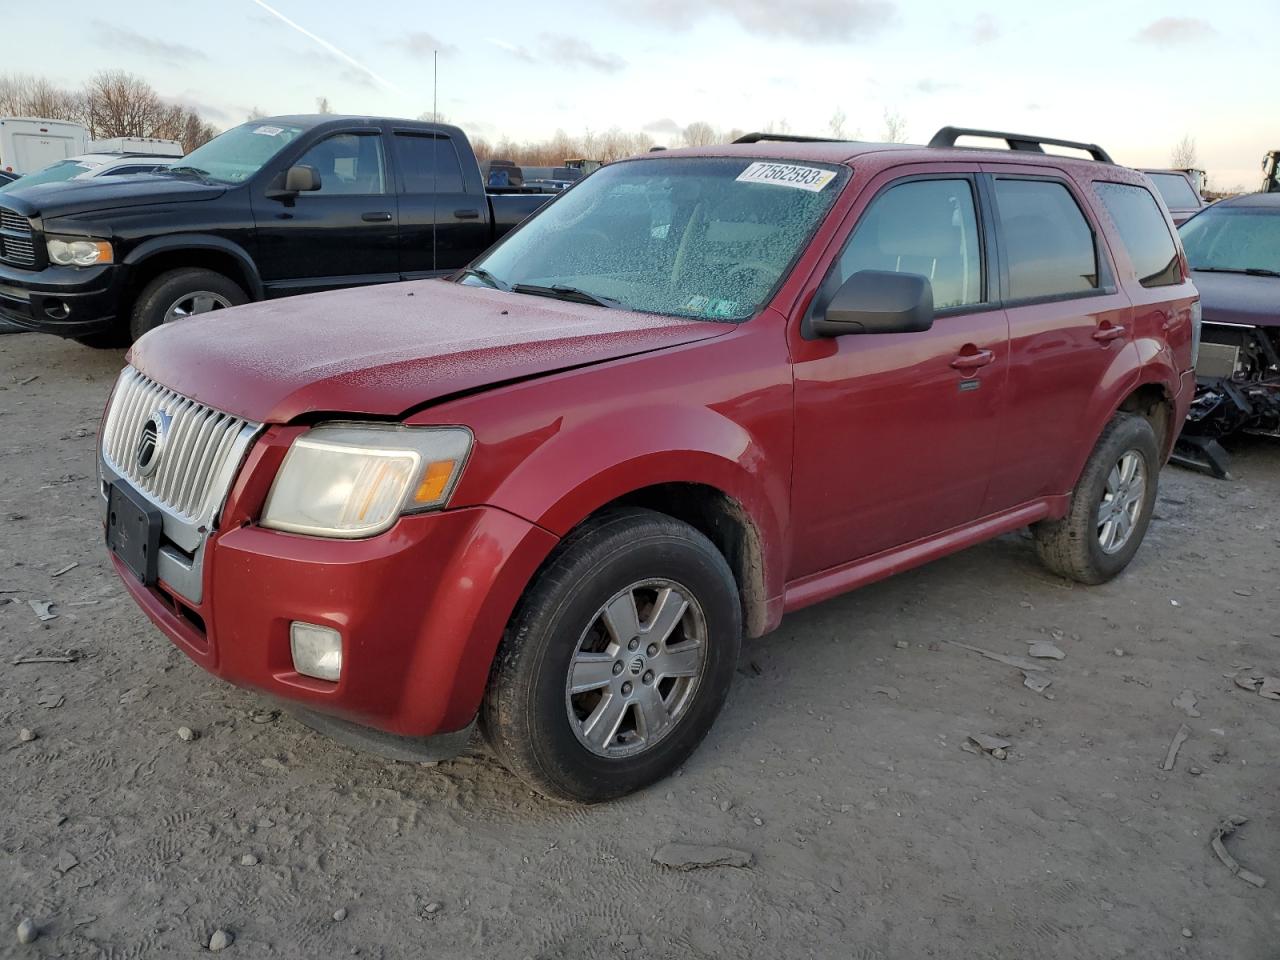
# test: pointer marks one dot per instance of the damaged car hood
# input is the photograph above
(381, 351)
(1239, 298)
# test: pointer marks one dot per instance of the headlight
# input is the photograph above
(353, 480)
(79, 253)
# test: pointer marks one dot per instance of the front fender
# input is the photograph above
(199, 241)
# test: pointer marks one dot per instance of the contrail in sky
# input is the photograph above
(328, 46)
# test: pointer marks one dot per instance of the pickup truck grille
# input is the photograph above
(197, 448)
(17, 246)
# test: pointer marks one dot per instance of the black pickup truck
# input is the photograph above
(271, 208)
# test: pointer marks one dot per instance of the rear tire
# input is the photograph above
(188, 291)
(1110, 508)
(641, 699)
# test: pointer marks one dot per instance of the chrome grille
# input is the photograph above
(17, 246)
(201, 449)
(13, 222)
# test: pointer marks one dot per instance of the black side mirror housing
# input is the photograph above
(877, 301)
(297, 179)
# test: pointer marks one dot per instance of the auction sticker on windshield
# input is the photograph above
(269, 131)
(787, 175)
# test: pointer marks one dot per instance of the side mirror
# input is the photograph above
(297, 179)
(877, 301)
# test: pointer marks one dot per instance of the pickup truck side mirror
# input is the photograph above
(297, 179)
(877, 301)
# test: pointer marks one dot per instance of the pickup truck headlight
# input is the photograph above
(79, 253)
(354, 480)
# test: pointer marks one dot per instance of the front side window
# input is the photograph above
(1144, 232)
(927, 227)
(1175, 190)
(1233, 240)
(707, 237)
(237, 154)
(1048, 244)
(429, 164)
(349, 164)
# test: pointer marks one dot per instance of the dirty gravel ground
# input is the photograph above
(874, 834)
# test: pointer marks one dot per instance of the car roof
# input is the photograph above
(1259, 201)
(105, 158)
(887, 154)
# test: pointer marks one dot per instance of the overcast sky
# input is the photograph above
(1133, 77)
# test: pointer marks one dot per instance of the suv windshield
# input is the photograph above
(706, 237)
(1233, 239)
(54, 173)
(235, 156)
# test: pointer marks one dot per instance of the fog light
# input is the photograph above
(317, 651)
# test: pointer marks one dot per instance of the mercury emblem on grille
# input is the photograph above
(151, 443)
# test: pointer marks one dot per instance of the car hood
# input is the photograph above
(74, 197)
(381, 351)
(1239, 298)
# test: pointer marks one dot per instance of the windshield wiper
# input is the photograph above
(1247, 271)
(483, 274)
(188, 171)
(559, 291)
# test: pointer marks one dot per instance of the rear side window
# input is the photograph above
(927, 227)
(1145, 234)
(429, 164)
(1047, 241)
(1175, 190)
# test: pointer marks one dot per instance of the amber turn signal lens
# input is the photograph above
(435, 479)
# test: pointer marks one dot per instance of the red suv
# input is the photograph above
(701, 389)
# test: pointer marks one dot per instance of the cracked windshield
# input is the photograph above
(695, 237)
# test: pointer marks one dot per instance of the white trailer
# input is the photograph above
(30, 143)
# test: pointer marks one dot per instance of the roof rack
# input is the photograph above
(783, 138)
(947, 136)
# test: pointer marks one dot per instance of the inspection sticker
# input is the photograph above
(269, 131)
(812, 179)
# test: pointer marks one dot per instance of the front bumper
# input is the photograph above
(66, 301)
(421, 610)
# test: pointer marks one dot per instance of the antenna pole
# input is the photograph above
(435, 85)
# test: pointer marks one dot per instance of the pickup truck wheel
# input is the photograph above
(1110, 508)
(617, 660)
(182, 293)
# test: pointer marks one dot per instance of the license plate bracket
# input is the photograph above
(133, 531)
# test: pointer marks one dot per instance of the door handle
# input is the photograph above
(377, 216)
(466, 214)
(1108, 332)
(972, 361)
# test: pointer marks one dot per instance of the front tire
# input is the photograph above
(1111, 506)
(617, 660)
(182, 293)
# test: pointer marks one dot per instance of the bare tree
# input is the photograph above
(322, 105)
(699, 134)
(1183, 155)
(777, 126)
(120, 104)
(895, 127)
(27, 96)
(836, 124)
(255, 114)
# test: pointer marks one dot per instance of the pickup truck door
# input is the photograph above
(345, 234)
(1069, 322)
(896, 434)
(444, 212)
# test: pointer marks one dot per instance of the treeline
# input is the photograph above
(609, 145)
(113, 103)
